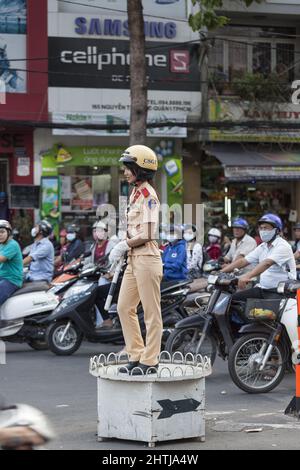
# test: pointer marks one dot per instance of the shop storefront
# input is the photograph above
(251, 182)
(18, 195)
(75, 181)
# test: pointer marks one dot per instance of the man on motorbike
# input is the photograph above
(11, 262)
(273, 259)
(242, 244)
(41, 256)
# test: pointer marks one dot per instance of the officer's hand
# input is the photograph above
(118, 251)
(243, 281)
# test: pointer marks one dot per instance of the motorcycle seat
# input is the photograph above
(168, 286)
(31, 287)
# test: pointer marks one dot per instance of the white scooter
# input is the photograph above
(21, 316)
(268, 344)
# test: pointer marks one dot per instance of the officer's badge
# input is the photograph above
(152, 203)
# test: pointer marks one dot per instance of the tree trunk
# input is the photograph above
(138, 82)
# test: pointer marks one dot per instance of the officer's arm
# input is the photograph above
(146, 234)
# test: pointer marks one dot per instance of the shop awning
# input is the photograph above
(242, 164)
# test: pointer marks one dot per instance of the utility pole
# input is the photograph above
(138, 80)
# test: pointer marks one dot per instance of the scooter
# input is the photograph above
(209, 331)
(74, 318)
(22, 314)
(268, 343)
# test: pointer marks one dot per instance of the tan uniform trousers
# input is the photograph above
(141, 282)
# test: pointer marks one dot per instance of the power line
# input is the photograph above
(192, 124)
(166, 45)
(121, 11)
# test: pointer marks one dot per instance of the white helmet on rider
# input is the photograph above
(214, 235)
(215, 232)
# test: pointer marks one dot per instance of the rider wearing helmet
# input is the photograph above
(213, 249)
(41, 255)
(242, 244)
(11, 264)
(141, 280)
(273, 259)
(75, 247)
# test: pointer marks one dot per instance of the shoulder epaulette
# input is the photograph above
(145, 192)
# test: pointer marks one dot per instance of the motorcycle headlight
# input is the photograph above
(280, 287)
(76, 290)
(212, 279)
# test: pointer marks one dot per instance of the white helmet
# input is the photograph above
(215, 232)
(28, 416)
(99, 225)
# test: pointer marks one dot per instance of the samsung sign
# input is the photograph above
(119, 28)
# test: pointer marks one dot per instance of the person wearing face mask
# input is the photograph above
(75, 246)
(242, 244)
(41, 255)
(174, 256)
(194, 251)
(273, 259)
(101, 246)
(213, 250)
(11, 262)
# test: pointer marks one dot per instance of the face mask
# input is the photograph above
(267, 235)
(212, 239)
(34, 232)
(71, 236)
(172, 238)
(99, 235)
(188, 237)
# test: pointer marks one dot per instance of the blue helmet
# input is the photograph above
(271, 219)
(240, 223)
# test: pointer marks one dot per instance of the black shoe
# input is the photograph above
(143, 369)
(128, 367)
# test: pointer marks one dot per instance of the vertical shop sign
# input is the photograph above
(51, 200)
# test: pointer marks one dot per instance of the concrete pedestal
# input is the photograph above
(152, 408)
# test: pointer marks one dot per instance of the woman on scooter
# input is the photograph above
(141, 280)
(11, 262)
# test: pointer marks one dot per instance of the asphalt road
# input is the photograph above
(63, 388)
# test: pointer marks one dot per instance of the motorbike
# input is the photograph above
(198, 295)
(74, 318)
(22, 314)
(210, 331)
(259, 358)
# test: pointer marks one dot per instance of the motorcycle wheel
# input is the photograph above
(186, 340)
(244, 371)
(71, 342)
(38, 344)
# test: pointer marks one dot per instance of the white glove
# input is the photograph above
(118, 251)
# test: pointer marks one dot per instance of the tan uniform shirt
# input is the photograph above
(143, 209)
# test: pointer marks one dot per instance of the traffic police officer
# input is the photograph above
(142, 277)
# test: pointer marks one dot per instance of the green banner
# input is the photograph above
(173, 168)
(60, 156)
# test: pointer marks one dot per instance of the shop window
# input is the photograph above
(284, 61)
(261, 58)
(237, 60)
